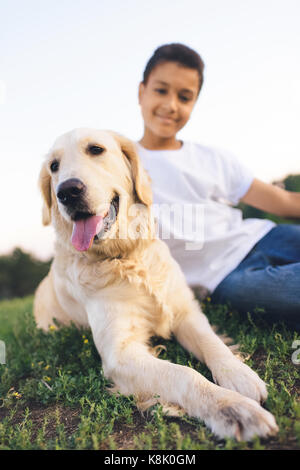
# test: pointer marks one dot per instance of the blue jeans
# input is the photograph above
(268, 278)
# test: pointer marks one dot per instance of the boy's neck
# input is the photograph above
(160, 143)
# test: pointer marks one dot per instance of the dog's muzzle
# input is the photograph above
(88, 227)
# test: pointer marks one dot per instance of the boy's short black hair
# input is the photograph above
(179, 53)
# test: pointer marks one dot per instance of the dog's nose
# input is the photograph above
(70, 191)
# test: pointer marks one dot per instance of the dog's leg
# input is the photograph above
(134, 370)
(46, 306)
(196, 335)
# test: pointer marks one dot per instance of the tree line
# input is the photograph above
(20, 274)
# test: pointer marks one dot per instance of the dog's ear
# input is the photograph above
(141, 179)
(45, 187)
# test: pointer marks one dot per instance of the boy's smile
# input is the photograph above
(167, 100)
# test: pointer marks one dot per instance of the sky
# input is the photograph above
(78, 63)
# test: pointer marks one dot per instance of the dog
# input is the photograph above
(112, 274)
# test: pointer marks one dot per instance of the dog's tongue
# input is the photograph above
(84, 231)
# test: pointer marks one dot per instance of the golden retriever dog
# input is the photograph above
(112, 274)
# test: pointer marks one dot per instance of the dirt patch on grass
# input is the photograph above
(124, 436)
(54, 414)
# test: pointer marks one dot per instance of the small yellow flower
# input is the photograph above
(208, 299)
(86, 341)
(17, 395)
(52, 327)
(47, 379)
(47, 367)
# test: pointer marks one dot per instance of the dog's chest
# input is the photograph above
(109, 284)
(70, 295)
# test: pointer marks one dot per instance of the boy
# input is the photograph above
(248, 263)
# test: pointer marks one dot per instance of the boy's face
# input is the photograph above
(168, 98)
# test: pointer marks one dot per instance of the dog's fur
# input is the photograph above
(127, 289)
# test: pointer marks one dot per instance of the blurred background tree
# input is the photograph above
(20, 274)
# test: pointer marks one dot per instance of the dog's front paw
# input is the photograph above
(235, 375)
(241, 418)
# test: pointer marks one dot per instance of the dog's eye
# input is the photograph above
(95, 149)
(54, 166)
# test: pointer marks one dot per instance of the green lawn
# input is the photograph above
(53, 393)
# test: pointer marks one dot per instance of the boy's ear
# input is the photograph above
(141, 179)
(45, 188)
(141, 91)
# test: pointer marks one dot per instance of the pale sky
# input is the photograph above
(78, 63)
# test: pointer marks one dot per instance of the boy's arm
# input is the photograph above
(273, 199)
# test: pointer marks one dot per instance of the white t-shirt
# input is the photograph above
(193, 188)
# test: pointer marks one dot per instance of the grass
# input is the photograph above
(53, 394)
